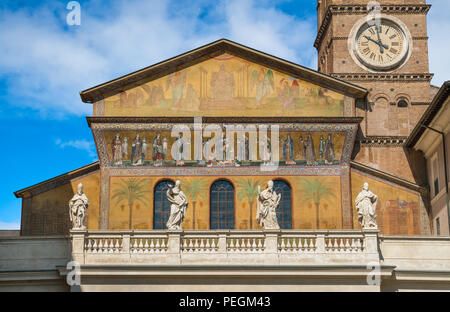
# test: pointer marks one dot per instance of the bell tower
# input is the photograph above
(382, 46)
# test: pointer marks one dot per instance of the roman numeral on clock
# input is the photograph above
(372, 56)
(393, 50)
(393, 36)
(395, 44)
(366, 51)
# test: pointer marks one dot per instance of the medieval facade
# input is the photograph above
(274, 163)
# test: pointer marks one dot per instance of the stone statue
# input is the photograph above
(77, 209)
(178, 204)
(366, 203)
(268, 202)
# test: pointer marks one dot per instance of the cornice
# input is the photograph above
(362, 9)
(221, 120)
(413, 77)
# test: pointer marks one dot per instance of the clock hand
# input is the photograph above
(379, 43)
(379, 39)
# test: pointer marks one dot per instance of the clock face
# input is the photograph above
(381, 47)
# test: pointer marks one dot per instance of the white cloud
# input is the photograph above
(83, 145)
(439, 43)
(9, 225)
(46, 65)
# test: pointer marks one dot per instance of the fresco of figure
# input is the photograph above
(78, 206)
(210, 153)
(310, 151)
(288, 150)
(321, 147)
(136, 151)
(366, 204)
(117, 150)
(178, 204)
(303, 143)
(155, 94)
(268, 202)
(125, 148)
(287, 93)
(157, 154)
(266, 151)
(222, 85)
(263, 80)
(241, 148)
(200, 155)
(165, 148)
(144, 150)
(180, 150)
(177, 81)
(192, 101)
(329, 150)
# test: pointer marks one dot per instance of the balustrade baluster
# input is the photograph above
(347, 246)
(157, 245)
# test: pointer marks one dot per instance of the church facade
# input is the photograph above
(224, 123)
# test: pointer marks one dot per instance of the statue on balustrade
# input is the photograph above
(78, 206)
(366, 203)
(268, 202)
(178, 204)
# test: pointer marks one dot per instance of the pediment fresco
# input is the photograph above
(227, 85)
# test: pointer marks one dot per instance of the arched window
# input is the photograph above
(284, 213)
(161, 206)
(221, 205)
(402, 103)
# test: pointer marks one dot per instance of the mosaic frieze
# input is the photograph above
(155, 145)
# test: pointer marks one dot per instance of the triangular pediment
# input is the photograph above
(224, 79)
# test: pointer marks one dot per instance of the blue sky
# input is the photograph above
(44, 63)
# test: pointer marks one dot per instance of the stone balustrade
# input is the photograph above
(224, 246)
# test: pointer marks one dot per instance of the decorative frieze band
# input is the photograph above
(362, 9)
(346, 38)
(383, 76)
(383, 141)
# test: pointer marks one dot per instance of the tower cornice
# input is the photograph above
(362, 9)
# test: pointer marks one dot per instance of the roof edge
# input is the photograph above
(428, 116)
(391, 178)
(65, 177)
(222, 45)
